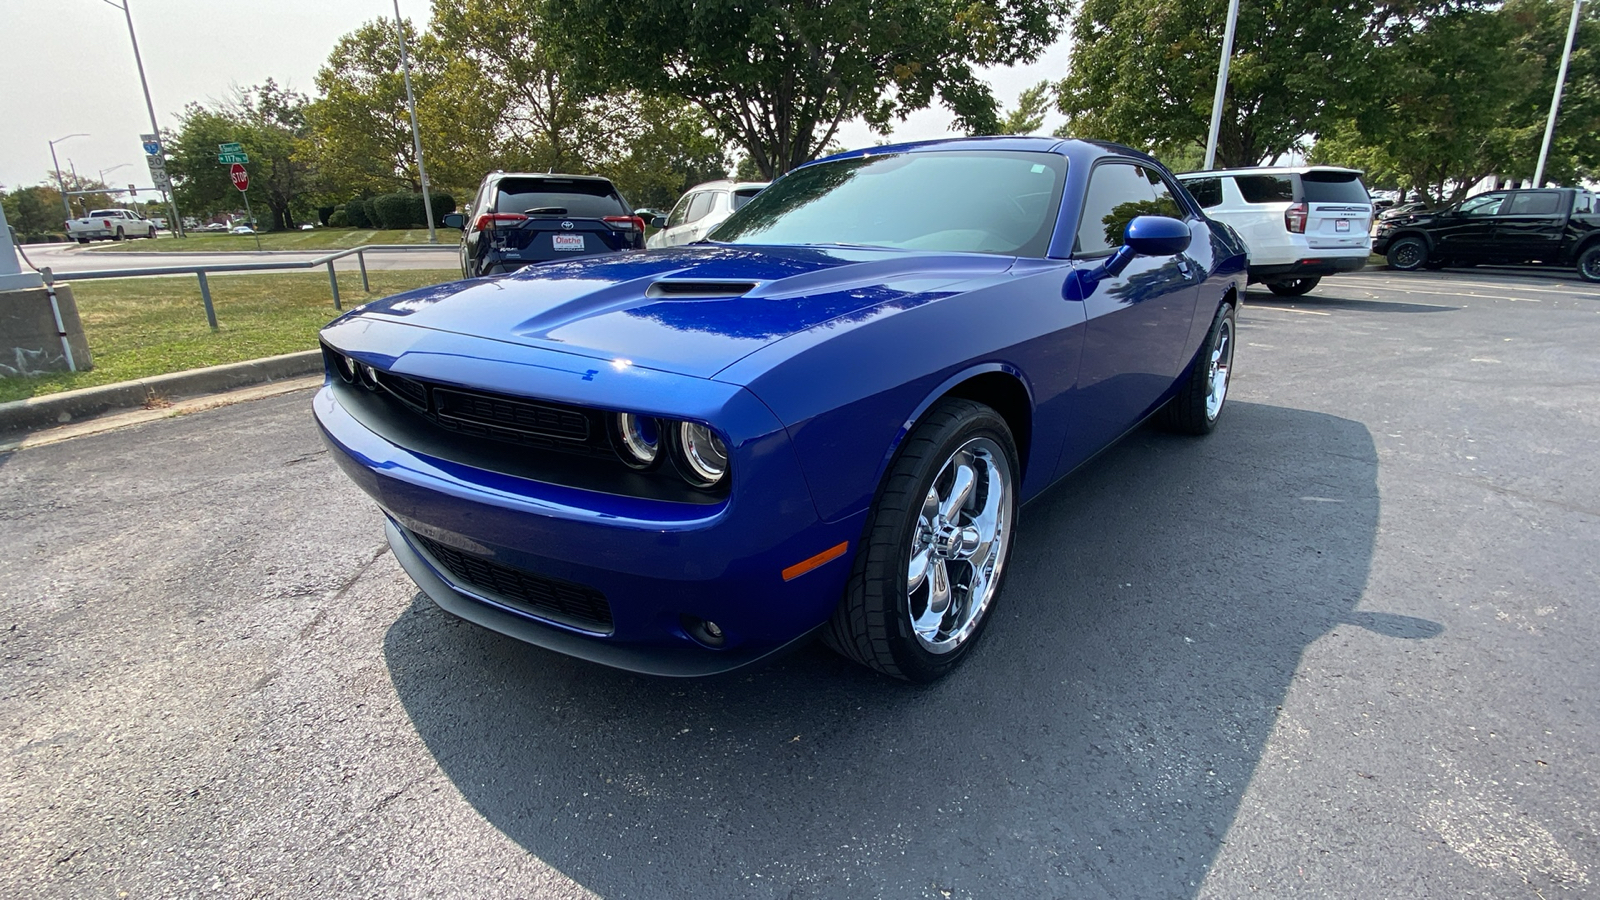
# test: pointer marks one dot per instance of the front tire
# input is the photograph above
(933, 555)
(1294, 287)
(1407, 254)
(1589, 263)
(1198, 404)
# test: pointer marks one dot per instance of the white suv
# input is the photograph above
(1299, 223)
(703, 208)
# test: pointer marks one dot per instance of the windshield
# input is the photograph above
(977, 201)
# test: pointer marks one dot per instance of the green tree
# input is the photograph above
(1144, 74)
(359, 127)
(35, 209)
(269, 122)
(1028, 116)
(778, 78)
(1465, 97)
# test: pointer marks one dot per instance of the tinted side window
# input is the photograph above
(583, 199)
(1265, 188)
(680, 213)
(1333, 187)
(743, 196)
(1119, 192)
(1534, 203)
(700, 205)
(1206, 191)
(1482, 205)
(1583, 204)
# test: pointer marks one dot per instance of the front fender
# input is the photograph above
(850, 391)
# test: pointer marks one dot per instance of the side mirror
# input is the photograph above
(454, 220)
(658, 222)
(1144, 236)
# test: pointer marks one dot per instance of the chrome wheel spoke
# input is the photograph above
(958, 545)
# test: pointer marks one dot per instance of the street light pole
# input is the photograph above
(150, 107)
(1222, 83)
(416, 135)
(61, 185)
(1555, 102)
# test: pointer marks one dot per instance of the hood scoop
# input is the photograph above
(698, 289)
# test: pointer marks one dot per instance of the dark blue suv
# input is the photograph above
(519, 218)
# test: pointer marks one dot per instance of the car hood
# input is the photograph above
(693, 310)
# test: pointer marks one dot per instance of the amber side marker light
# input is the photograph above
(806, 565)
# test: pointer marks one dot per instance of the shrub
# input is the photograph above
(338, 219)
(371, 211)
(355, 213)
(443, 204)
(324, 213)
(395, 210)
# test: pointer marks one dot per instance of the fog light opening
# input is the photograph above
(706, 632)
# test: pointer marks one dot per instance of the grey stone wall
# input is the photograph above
(29, 344)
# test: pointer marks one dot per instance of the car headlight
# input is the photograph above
(638, 440)
(702, 456)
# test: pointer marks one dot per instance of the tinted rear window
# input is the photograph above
(1534, 203)
(1206, 191)
(1333, 187)
(584, 199)
(1265, 188)
(743, 196)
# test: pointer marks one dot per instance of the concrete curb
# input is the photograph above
(55, 409)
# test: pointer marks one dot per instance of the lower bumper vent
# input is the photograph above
(536, 595)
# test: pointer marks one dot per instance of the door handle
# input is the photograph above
(1186, 267)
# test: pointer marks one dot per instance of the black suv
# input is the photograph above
(1542, 226)
(519, 218)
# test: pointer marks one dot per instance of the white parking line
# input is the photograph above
(1303, 312)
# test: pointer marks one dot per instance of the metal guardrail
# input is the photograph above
(201, 271)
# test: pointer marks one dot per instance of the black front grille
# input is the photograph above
(509, 418)
(536, 595)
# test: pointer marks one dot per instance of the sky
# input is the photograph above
(69, 69)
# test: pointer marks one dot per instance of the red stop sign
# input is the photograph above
(241, 178)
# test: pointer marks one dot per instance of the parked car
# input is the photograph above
(1551, 227)
(213, 226)
(821, 421)
(518, 218)
(1301, 223)
(241, 229)
(703, 208)
(110, 225)
(1403, 209)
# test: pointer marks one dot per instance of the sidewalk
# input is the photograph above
(72, 406)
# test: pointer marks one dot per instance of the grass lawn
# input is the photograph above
(318, 239)
(138, 327)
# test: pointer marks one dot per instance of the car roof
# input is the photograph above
(1272, 170)
(727, 184)
(552, 175)
(1068, 147)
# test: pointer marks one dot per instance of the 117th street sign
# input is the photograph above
(241, 178)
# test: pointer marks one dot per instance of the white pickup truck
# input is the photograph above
(110, 224)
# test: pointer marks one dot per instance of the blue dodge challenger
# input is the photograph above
(822, 420)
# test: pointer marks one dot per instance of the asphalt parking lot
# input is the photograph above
(1344, 647)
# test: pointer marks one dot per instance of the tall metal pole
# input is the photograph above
(416, 136)
(61, 185)
(83, 205)
(1222, 83)
(150, 107)
(1555, 101)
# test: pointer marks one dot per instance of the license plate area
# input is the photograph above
(1341, 225)
(567, 242)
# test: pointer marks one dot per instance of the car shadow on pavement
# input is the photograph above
(1098, 743)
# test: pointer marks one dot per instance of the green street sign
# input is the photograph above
(230, 158)
(229, 148)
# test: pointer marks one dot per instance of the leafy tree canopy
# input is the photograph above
(270, 124)
(777, 78)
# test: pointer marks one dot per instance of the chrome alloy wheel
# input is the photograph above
(958, 545)
(1221, 367)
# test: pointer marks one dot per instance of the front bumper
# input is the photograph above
(661, 566)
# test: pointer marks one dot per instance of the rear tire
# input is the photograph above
(1198, 404)
(119, 235)
(1589, 263)
(1407, 254)
(932, 559)
(1294, 287)
(83, 240)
